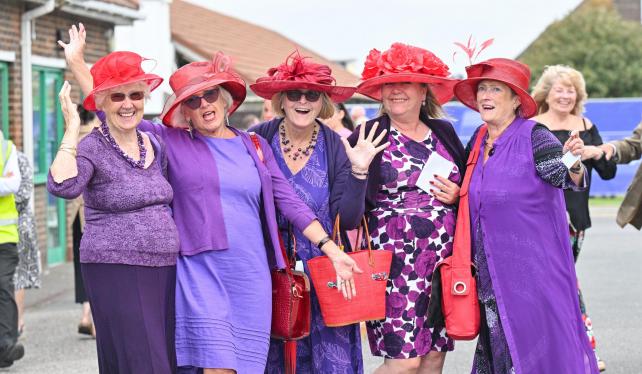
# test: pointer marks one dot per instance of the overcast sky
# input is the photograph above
(348, 29)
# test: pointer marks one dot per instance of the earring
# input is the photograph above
(423, 102)
(190, 128)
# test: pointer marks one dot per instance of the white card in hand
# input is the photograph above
(436, 164)
(569, 159)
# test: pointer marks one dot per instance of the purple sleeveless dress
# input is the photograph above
(527, 285)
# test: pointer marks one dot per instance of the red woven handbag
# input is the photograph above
(290, 299)
(459, 287)
(370, 302)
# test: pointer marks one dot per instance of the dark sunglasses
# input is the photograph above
(117, 97)
(194, 101)
(295, 95)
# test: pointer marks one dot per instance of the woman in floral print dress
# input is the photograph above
(416, 224)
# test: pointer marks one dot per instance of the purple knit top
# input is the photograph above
(128, 219)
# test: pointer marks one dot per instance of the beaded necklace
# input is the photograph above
(141, 146)
(299, 152)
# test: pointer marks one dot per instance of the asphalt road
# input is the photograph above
(609, 270)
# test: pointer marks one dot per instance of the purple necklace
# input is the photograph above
(141, 146)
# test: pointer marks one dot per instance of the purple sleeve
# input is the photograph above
(547, 151)
(285, 198)
(348, 196)
(72, 188)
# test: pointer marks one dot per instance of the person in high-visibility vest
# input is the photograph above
(10, 350)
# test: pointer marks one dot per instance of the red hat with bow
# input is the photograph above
(405, 63)
(117, 69)
(514, 74)
(299, 72)
(198, 76)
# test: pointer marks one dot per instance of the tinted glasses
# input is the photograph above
(117, 97)
(194, 101)
(295, 95)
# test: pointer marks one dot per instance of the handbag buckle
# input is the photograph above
(459, 288)
(296, 292)
(380, 276)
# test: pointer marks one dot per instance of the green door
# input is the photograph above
(48, 128)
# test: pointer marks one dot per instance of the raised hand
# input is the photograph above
(367, 147)
(69, 111)
(75, 49)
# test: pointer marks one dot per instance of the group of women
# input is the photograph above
(183, 219)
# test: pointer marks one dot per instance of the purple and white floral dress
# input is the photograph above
(419, 230)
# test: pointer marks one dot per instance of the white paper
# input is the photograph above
(299, 266)
(569, 159)
(436, 164)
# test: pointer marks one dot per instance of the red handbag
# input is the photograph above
(459, 287)
(370, 302)
(290, 299)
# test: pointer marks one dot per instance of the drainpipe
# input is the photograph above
(25, 56)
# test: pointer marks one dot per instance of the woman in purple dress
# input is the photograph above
(130, 244)
(413, 220)
(224, 208)
(530, 316)
(329, 178)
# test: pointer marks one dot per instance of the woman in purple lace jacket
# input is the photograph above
(130, 244)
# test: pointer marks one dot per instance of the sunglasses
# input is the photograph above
(117, 97)
(194, 101)
(295, 95)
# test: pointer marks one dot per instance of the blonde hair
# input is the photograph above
(431, 107)
(101, 96)
(565, 75)
(327, 106)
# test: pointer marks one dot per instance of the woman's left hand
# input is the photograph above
(367, 147)
(445, 190)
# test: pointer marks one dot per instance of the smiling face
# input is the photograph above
(208, 117)
(301, 113)
(403, 99)
(127, 113)
(562, 97)
(496, 102)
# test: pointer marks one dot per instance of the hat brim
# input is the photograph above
(174, 118)
(466, 93)
(152, 80)
(267, 89)
(441, 87)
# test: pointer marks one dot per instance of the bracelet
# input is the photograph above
(576, 169)
(71, 151)
(68, 146)
(323, 242)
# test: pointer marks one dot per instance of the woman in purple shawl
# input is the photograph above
(531, 320)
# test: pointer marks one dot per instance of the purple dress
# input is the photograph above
(216, 326)
(531, 321)
(419, 230)
(327, 349)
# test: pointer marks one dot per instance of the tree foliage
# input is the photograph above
(597, 42)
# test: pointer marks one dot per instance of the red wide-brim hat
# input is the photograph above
(405, 63)
(118, 69)
(442, 88)
(514, 74)
(298, 73)
(199, 76)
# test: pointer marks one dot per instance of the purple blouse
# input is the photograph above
(128, 219)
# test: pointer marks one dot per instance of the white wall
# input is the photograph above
(151, 38)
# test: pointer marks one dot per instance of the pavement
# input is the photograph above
(609, 270)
